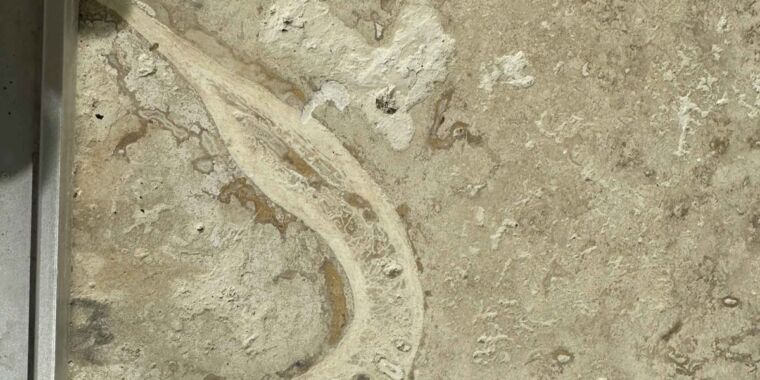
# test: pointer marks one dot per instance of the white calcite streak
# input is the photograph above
(317, 44)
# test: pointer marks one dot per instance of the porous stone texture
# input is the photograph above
(181, 268)
(578, 180)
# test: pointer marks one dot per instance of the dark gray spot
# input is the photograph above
(89, 332)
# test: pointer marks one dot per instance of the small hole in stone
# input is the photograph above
(360, 376)
(99, 116)
(730, 301)
(386, 104)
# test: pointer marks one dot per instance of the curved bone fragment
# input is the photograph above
(306, 170)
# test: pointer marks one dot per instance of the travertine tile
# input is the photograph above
(428, 189)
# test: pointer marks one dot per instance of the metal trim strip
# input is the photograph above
(54, 189)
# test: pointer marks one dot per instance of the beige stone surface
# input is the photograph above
(480, 189)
